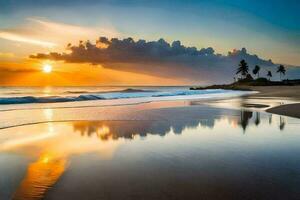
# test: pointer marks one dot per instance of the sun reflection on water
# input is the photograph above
(51, 145)
(48, 113)
(40, 176)
(47, 91)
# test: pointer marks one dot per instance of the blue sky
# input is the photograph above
(269, 28)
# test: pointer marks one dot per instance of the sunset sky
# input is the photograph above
(30, 30)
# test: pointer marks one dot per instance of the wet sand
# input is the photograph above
(291, 110)
(192, 149)
(292, 92)
(280, 92)
(187, 152)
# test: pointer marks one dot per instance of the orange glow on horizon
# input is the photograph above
(29, 72)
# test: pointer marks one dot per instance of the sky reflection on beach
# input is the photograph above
(206, 152)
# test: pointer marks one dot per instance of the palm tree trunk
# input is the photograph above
(280, 76)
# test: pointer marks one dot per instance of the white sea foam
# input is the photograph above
(126, 94)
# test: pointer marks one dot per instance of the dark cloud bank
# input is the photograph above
(159, 58)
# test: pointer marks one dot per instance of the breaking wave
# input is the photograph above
(123, 94)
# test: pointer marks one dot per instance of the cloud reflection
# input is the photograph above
(51, 149)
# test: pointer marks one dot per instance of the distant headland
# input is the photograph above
(246, 81)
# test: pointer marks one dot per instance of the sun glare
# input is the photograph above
(47, 68)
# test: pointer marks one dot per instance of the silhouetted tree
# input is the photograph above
(281, 70)
(269, 74)
(256, 70)
(243, 69)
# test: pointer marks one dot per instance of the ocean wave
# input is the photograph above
(51, 99)
(109, 91)
(128, 93)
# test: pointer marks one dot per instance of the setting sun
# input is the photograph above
(47, 68)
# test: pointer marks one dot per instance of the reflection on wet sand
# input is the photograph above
(40, 176)
(245, 117)
(51, 145)
(281, 123)
(113, 130)
(210, 159)
(257, 118)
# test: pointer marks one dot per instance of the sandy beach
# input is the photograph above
(292, 92)
(280, 93)
(150, 148)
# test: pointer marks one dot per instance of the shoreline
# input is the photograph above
(281, 100)
(280, 93)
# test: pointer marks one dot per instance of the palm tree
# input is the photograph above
(256, 70)
(269, 74)
(281, 70)
(243, 68)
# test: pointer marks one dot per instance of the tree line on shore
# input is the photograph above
(243, 70)
(245, 78)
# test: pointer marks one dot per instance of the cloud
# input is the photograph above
(21, 38)
(50, 34)
(129, 51)
(158, 58)
(74, 30)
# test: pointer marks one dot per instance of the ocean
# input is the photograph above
(30, 95)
